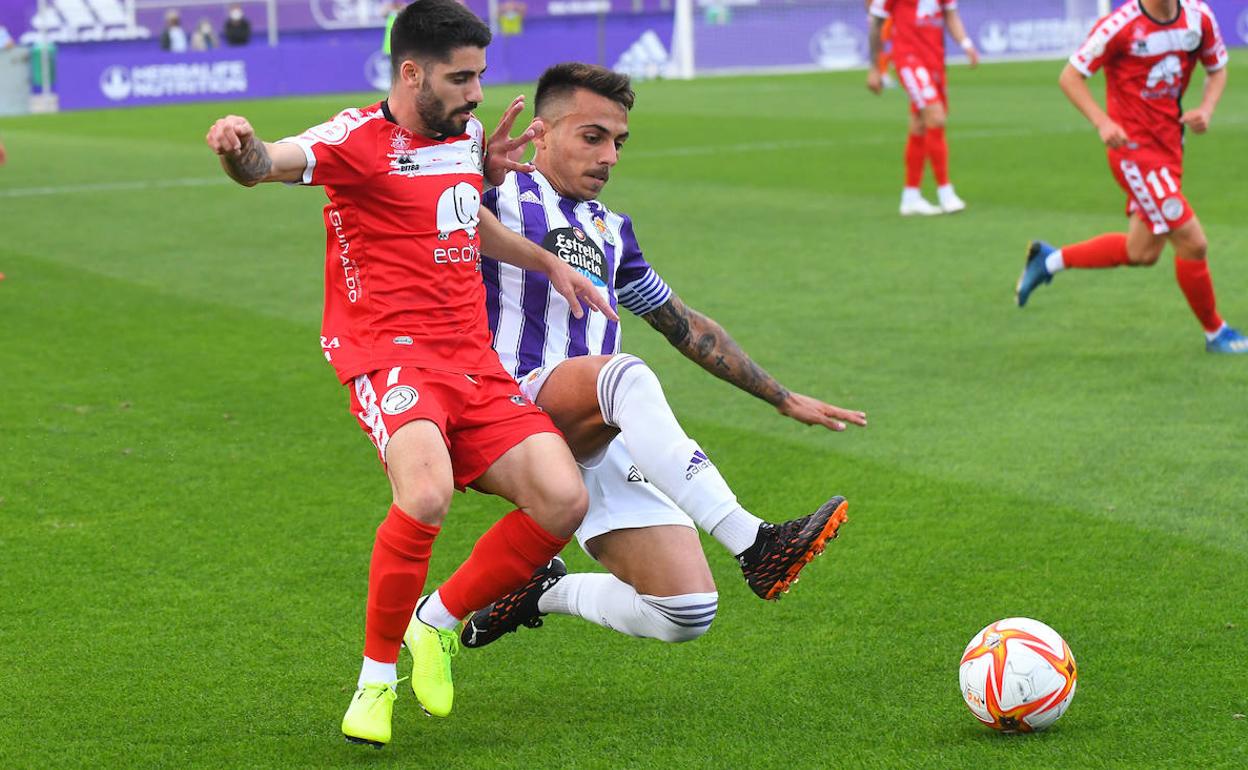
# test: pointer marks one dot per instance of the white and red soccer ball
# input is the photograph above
(1017, 675)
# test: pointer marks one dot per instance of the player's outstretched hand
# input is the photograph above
(875, 81)
(1112, 134)
(503, 151)
(229, 135)
(579, 291)
(1197, 120)
(812, 411)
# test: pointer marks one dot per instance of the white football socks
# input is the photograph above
(433, 612)
(376, 671)
(632, 399)
(1055, 262)
(612, 603)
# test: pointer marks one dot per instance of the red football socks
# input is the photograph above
(501, 561)
(1108, 250)
(916, 155)
(1193, 276)
(938, 154)
(396, 576)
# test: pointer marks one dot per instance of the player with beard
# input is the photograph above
(405, 329)
(648, 482)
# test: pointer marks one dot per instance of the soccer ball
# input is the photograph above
(1017, 675)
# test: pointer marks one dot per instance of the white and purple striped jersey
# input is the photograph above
(530, 321)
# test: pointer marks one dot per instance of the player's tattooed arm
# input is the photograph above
(702, 340)
(251, 164)
(247, 160)
(875, 43)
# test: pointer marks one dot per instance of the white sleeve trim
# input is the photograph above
(306, 146)
(1079, 65)
(1220, 65)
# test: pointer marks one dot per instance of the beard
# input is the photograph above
(437, 117)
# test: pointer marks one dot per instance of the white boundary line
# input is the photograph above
(671, 152)
(104, 187)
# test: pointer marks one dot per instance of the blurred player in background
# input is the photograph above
(885, 59)
(648, 481)
(405, 329)
(919, 57)
(1149, 50)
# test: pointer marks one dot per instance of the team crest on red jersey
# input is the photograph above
(400, 139)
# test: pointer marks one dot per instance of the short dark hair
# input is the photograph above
(431, 29)
(562, 79)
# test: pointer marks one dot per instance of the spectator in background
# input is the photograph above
(203, 38)
(174, 37)
(392, 13)
(6, 40)
(237, 29)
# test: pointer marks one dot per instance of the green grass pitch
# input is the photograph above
(187, 508)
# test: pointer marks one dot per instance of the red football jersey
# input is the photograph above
(918, 28)
(402, 253)
(1148, 65)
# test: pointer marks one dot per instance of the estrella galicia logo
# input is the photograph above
(572, 246)
(115, 83)
(377, 71)
(399, 399)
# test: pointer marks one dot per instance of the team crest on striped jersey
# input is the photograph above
(603, 230)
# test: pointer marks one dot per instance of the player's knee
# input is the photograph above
(682, 618)
(625, 376)
(1196, 247)
(424, 503)
(1144, 256)
(563, 506)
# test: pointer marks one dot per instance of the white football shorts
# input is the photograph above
(619, 496)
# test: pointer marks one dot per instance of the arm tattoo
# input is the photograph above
(251, 164)
(671, 319)
(705, 342)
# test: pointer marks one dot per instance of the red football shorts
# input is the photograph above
(481, 416)
(925, 85)
(1153, 182)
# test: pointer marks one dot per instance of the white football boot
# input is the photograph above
(950, 203)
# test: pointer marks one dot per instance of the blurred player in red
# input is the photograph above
(919, 57)
(885, 58)
(1149, 50)
(405, 329)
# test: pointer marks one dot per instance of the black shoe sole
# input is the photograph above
(375, 744)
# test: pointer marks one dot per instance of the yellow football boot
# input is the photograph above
(432, 650)
(368, 717)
